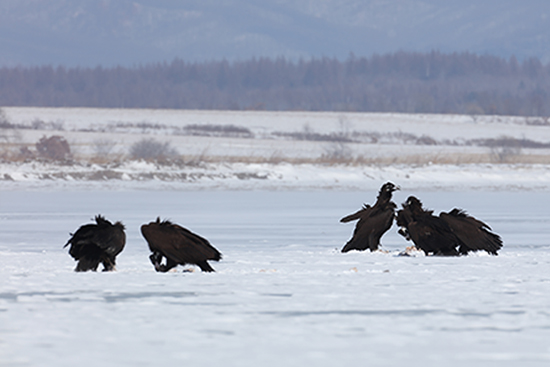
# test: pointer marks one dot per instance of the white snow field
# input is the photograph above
(283, 295)
(385, 145)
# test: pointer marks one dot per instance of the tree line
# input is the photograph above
(407, 82)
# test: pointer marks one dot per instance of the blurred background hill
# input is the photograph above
(132, 32)
(413, 56)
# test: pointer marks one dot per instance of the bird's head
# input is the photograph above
(389, 187)
(413, 202)
(386, 191)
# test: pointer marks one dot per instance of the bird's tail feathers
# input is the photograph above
(205, 266)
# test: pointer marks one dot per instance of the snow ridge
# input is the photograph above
(140, 174)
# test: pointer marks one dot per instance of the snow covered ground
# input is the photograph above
(283, 176)
(283, 293)
(395, 147)
(262, 123)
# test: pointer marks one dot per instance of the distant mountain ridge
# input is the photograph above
(125, 32)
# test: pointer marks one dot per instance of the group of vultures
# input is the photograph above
(101, 242)
(449, 234)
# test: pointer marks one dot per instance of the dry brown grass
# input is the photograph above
(412, 160)
(104, 160)
(18, 153)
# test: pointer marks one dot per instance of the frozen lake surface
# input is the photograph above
(283, 295)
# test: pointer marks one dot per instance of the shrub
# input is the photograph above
(504, 154)
(55, 147)
(426, 140)
(219, 130)
(308, 134)
(150, 149)
(337, 152)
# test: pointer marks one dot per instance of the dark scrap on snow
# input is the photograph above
(178, 245)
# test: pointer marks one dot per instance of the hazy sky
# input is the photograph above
(110, 32)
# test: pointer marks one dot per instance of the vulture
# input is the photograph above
(473, 233)
(178, 245)
(451, 234)
(429, 233)
(373, 222)
(97, 243)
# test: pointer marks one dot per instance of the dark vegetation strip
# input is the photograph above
(406, 82)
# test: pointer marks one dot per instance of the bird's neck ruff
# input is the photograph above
(165, 222)
(383, 196)
(458, 213)
(120, 225)
(100, 220)
(417, 209)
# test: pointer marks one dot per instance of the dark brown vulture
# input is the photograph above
(178, 245)
(97, 243)
(474, 234)
(374, 221)
(429, 233)
(444, 234)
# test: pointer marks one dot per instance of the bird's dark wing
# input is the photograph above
(179, 244)
(108, 238)
(369, 230)
(111, 239)
(84, 234)
(432, 235)
(82, 238)
(197, 245)
(362, 213)
(474, 234)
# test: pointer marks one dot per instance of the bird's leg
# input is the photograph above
(108, 264)
(169, 265)
(156, 259)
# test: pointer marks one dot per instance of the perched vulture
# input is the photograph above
(374, 221)
(178, 245)
(97, 243)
